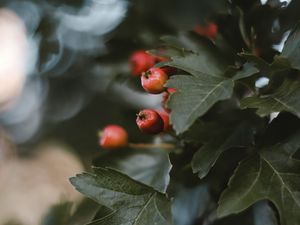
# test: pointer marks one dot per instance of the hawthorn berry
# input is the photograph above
(149, 121)
(210, 30)
(140, 61)
(166, 118)
(153, 80)
(113, 137)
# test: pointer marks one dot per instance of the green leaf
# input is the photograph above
(195, 55)
(258, 62)
(248, 70)
(292, 47)
(199, 64)
(272, 174)
(131, 202)
(196, 94)
(150, 167)
(204, 159)
(285, 98)
(194, 97)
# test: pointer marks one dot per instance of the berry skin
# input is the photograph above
(149, 121)
(113, 137)
(210, 30)
(166, 118)
(165, 98)
(140, 62)
(153, 80)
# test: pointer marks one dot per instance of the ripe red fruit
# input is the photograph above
(140, 61)
(165, 98)
(153, 80)
(166, 118)
(113, 137)
(210, 30)
(149, 121)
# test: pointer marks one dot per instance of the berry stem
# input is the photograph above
(145, 145)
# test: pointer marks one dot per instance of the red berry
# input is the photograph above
(140, 62)
(210, 30)
(113, 137)
(171, 90)
(161, 59)
(153, 80)
(165, 98)
(149, 121)
(166, 118)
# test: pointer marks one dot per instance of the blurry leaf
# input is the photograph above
(189, 204)
(272, 174)
(131, 201)
(258, 62)
(198, 132)
(204, 159)
(194, 97)
(58, 215)
(150, 166)
(291, 48)
(247, 71)
(264, 214)
(84, 212)
(285, 98)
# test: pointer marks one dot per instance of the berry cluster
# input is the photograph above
(149, 121)
(153, 81)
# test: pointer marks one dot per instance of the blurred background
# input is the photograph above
(64, 74)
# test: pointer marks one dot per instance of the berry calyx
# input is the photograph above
(153, 80)
(210, 30)
(149, 121)
(113, 137)
(166, 118)
(140, 61)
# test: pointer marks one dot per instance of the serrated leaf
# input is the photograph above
(285, 98)
(199, 64)
(204, 159)
(194, 97)
(132, 202)
(272, 174)
(196, 55)
(150, 167)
